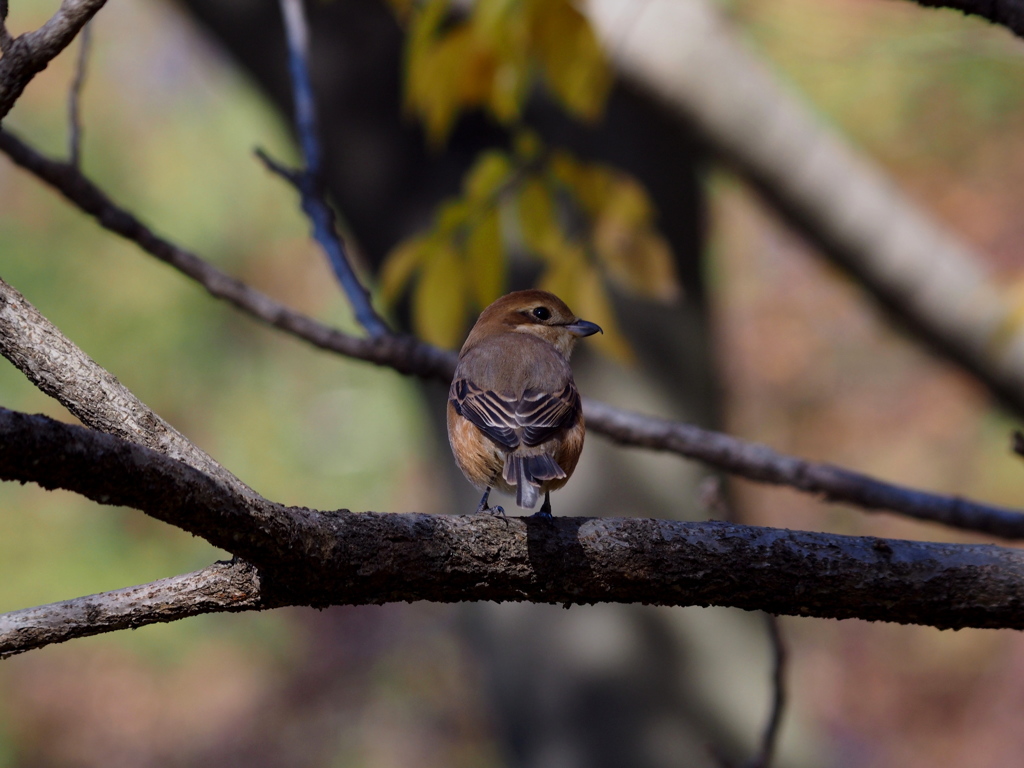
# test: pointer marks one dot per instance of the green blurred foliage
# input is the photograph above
(168, 131)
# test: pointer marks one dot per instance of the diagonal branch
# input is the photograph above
(309, 180)
(407, 355)
(404, 354)
(59, 368)
(308, 557)
(919, 271)
(27, 55)
(217, 588)
(75, 98)
(762, 464)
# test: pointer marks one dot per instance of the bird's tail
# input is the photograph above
(527, 473)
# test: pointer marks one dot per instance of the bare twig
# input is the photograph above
(771, 732)
(765, 465)
(218, 588)
(407, 355)
(309, 180)
(27, 55)
(74, 98)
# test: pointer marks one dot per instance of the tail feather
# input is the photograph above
(527, 473)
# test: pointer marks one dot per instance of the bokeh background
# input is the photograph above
(806, 363)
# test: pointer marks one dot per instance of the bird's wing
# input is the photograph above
(530, 419)
(540, 415)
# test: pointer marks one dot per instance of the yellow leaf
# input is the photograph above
(527, 145)
(635, 256)
(638, 260)
(571, 58)
(501, 29)
(420, 41)
(589, 183)
(439, 299)
(593, 303)
(486, 259)
(562, 276)
(446, 80)
(399, 267)
(451, 218)
(628, 201)
(508, 90)
(488, 173)
(538, 220)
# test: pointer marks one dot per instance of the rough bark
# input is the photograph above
(27, 338)
(27, 55)
(62, 370)
(218, 588)
(320, 558)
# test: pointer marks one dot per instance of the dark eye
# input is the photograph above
(542, 313)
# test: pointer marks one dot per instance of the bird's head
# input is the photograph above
(538, 312)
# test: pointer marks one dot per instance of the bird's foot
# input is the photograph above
(545, 508)
(484, 508)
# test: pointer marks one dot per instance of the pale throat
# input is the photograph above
(559, 338)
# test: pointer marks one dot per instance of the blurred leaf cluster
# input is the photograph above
(489, 55)
(587, 224)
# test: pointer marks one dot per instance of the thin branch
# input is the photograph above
(309, 180)
(410, 356)
(27, 55)
(74, 98)
(916, 269)
(320, 558)
(771, 732)
(221, 587)
(762, 464)
(404, 354)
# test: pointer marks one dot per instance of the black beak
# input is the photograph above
(583, 328)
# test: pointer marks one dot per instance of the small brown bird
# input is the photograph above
(514, 417)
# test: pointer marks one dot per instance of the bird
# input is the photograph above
(515, 421)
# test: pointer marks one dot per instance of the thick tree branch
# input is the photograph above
(407, 355)
(316, 558)
(857, 217)
(59, 368)
(27, 55)
(221, 587)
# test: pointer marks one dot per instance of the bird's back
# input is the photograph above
(513, 363)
